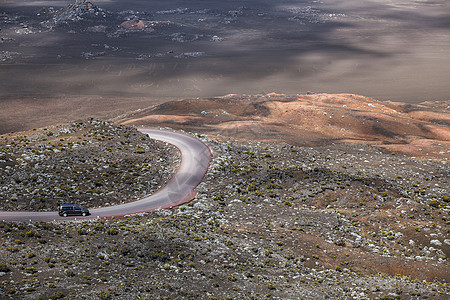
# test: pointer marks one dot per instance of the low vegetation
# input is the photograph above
(269, 221)
(90, 162)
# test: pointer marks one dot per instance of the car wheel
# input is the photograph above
(64, 214)
(84, 214)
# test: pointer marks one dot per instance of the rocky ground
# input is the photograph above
(180, 25)
(271, 220)
(308, 196)
(91, 162)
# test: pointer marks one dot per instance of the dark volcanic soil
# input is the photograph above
(384, 49)
(61, 63)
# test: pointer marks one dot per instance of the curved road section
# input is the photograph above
(195, 159)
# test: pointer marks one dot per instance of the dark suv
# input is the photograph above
(72, 210)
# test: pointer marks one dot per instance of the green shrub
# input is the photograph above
(30, 270)
(113, 231)
(57, 295)
(434, 203)
(4, 268)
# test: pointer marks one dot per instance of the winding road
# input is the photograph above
(195, 159)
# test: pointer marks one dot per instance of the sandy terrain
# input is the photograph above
(26, 113)
(318, 119)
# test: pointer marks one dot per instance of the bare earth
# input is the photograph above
(27, 113)
(318, 119)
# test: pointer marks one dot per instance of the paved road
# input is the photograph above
(195, 158)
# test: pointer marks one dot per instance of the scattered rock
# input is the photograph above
(134, 25)
(99, 28)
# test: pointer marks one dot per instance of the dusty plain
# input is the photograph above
(388, 50)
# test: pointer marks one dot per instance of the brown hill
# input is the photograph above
(317, 119)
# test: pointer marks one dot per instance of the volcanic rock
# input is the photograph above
(133, 25)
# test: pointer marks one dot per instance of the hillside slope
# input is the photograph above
(318, 119)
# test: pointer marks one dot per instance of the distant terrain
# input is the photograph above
(389, 50)
(311, 120)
